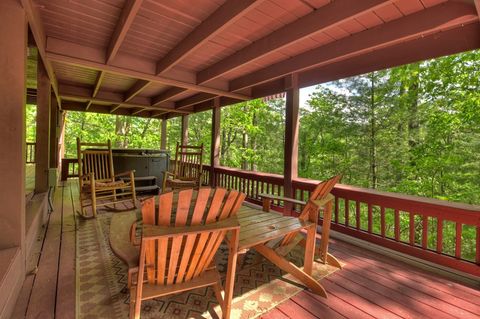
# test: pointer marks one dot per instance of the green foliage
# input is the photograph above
(30, 122)
(123, 131)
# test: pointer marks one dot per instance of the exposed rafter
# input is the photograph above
(69, 92)
(96, 87)
(167, 95)
(218, 21)
(407, 28)
(129, 12)
(194, 99)
(39, 36)
(448, 42)
(80, 106)
(90, 58)
(316, 22)
(136, 88)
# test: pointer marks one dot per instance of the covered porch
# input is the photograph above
(162, 60)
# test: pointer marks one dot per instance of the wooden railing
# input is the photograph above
(30, 152)
(69, 168)
(441, 232)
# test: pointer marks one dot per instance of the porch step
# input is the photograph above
(150, 189)
(141, 179)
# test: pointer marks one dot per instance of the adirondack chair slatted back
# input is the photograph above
(97, 161)
(310, 209)
(188, 162)
(181, 258)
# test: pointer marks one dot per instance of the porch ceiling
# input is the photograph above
(159, 58)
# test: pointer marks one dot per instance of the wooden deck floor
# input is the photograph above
(370, 286)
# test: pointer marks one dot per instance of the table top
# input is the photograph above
(257, 226)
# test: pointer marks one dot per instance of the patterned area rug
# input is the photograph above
(102, 282)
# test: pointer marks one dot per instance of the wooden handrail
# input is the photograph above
(401, 222)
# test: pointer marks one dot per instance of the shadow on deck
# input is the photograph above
(371, 285)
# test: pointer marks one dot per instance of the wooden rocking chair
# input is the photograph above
(187, 171)
(179, 243)
(99, 186)
(320, 197)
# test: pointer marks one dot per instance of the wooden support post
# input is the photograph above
(163, 136)
(53, 132)
(42, 148)
(290, 163)
(215, 145)
(184, 133)
(13, 40)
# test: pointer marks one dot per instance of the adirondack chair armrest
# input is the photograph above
(155, 232)
(322, 202)
(126, 173)
(133, 233)
(267, 200)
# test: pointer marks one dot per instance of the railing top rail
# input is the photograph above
(264, 177)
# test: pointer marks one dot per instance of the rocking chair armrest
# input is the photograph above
(125, 173)
(89, 175)
(168, 173)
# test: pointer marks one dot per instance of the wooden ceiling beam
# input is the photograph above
(224, 16)
(194, 99)
(459, 39)
(105, 109)
(167, 95)
(316, 22)
(127, 16)
(96, 87)
(38, 32)
(439, 17)
(136, 89)
(77, 55)
(69, 92)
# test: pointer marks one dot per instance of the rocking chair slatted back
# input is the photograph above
(97, 161)
(183, 257)
(188, 162)
(310, 211)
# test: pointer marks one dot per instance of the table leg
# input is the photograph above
(230, 278)
(289, 267)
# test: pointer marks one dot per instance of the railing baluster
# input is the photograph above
(357, 213)
(412, 228)
(370, 218)
(397, 225)
(440, 236)
(382, 221)
(347, 211)
(336, 209)
(458, 240)
(424, 231)
(478, 246)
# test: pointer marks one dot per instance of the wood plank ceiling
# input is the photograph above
(161, 58)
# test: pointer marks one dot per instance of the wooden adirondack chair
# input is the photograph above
(187, 171)
(179, 243)
(320, 197)
(99, 186)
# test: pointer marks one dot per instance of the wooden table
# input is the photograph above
(257, 228)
